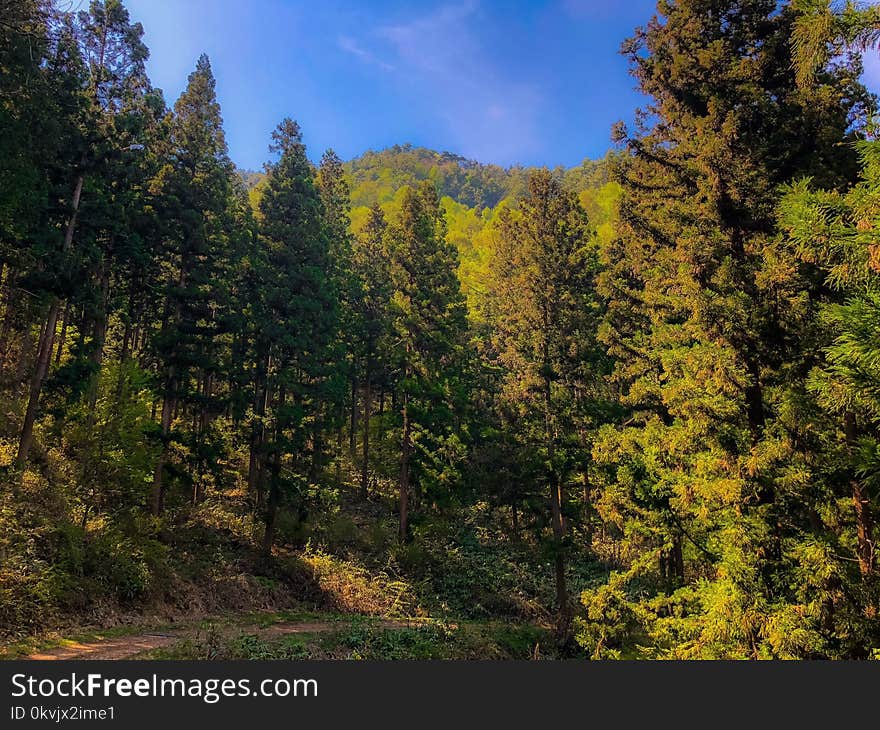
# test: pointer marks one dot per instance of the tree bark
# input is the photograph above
(272, 503)
(563, 617)
(63, 336)
(158, 495)
(7, 275)
(352, 431)
(365, 464)
(100, 335)
(258, 430)
(588, 508)
(46, 345)
(403, 528)
(274, 499)
(44, 353)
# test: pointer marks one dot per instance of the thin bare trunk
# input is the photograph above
(63, 336)
(274, 482)
(100, 335)
(352, 429)
(158, 498)
(403, 528)
(6, 275)
(255, 464)
(44, 353)
(271, 516)
(47, 341)
(563, 618)
(365, 464)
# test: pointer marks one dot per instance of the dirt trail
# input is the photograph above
(126, 647)
(122, 647)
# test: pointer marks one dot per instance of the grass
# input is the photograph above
(22, 647)
(362, 638)
(478, 593)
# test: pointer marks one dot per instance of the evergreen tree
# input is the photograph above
(429, 320)
(299, 320)
(705, 318)
(336, 202)
(372, 268)
(544, 320)
(820, 33)
(103, 51)
(196, 187)
(833, 235)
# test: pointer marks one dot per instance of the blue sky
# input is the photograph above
(522, 81)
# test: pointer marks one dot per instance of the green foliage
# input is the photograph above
(377, 176)
(610, 623)
(651, 380)
(710, 483)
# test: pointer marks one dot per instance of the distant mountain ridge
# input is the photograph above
(377, 175)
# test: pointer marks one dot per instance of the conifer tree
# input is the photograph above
(544, 318)
(196, 186)
(299, 320)
(38, 94)
(429, 320)
(834, 236)
(822, 31)
(336, 202)
(705, 315)
(372, 268)
(107, 58)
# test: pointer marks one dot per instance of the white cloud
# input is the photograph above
(440, 58)
(350, 45)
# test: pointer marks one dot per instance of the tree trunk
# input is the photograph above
(588, 508)
(158, 497)
(340, 441)
(317, 459)
(100, 335)
(28, 343)
(352, 431)
(48, 340)
(563, 618)
(365, 465)
(129, 341)
(403, 531)
(63, 336)
(7, 276)
(272, 503)
(255, 463)
(44, 353)
(274, 480)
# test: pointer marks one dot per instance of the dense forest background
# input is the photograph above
(624, 410)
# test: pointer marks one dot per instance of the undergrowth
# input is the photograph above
(59, 568)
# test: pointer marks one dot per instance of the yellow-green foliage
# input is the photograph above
(351, 588)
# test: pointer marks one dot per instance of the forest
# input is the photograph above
(438, 408)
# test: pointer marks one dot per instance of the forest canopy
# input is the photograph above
(631, 409)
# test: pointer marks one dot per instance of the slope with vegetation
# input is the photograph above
(623, 410)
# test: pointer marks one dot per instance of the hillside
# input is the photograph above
(377, 176)
(471, 192)
(419, 406)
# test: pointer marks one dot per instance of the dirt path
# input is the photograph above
(122, 647)
(126, 647)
